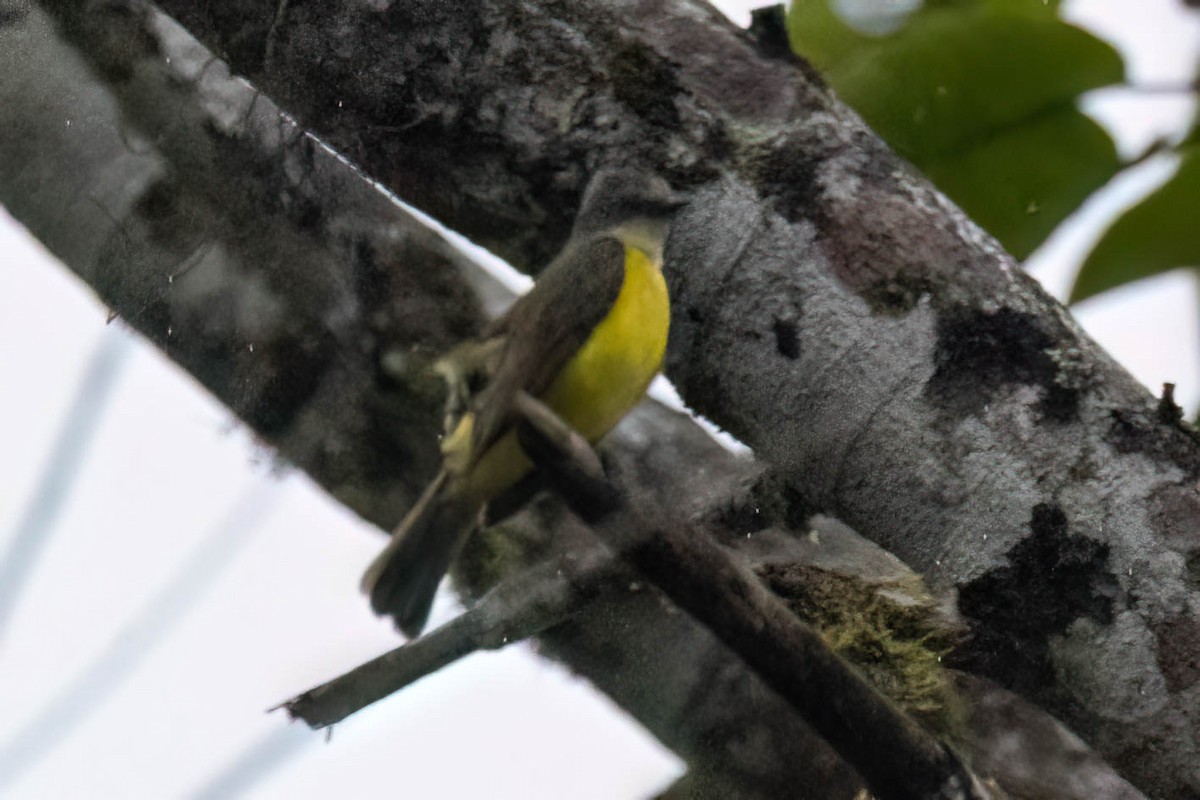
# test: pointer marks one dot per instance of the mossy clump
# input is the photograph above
(891, 633)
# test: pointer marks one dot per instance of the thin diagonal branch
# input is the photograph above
(524, 606)
(896, 756)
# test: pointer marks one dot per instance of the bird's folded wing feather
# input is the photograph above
(546, 326)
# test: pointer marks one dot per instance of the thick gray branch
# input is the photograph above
(518, 609)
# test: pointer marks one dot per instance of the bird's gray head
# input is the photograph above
(633, 204)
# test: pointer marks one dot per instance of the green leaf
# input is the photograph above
(1020, 184)
(820, 35)
(986, 86)
(1158, 234)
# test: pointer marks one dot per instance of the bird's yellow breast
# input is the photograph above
(605, 378)
(610, 373)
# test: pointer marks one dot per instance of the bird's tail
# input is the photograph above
(402, 580)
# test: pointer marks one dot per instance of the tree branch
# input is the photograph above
(895, 755)
(517, 609)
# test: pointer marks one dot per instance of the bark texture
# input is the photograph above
(830, 309)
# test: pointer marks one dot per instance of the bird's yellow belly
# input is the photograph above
(610, 373)
(605, 378)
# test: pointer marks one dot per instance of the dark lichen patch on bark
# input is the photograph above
(785, 173)
(439, 100)
(1175, 515)
(487, 557)
(11, 14)
(639, 76)
(742, 515)
(787, 338)
(158, 204)
(766, 501)
(1144, 431)
(979, 353)
(1177, 650)
(1052, 579)
(288, 373)
(899, 294)
(266, 376)
(405, 306)
(496, 551)
(1192, 570)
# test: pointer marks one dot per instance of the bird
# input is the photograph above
(586, 340)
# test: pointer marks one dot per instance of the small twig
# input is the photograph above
(521, 607)
(768, 26)
(1168, 411)
(897, 757)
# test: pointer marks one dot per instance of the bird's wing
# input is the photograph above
(546, 326)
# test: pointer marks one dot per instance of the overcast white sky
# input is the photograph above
(186, 587)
